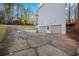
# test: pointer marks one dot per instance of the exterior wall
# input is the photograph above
(52, 14)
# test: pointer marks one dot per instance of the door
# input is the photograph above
(56, 28)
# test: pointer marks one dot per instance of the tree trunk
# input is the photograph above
(69, 13)
(77, 21)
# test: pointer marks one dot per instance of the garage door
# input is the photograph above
(42, 29)
(56, 28)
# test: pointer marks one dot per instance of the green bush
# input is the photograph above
(22, 20)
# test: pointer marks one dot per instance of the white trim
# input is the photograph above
(41, 5)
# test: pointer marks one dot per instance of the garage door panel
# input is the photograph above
(56, 29)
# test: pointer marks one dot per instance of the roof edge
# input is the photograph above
(40, 7)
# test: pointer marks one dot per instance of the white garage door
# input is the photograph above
(42, 29)
(56, 28)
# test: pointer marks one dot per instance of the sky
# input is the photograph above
(33, 6)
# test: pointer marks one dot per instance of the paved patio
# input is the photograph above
(23, 43)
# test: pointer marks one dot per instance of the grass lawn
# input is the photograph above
(2, 31)
(21, 27)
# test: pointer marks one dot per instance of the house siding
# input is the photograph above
(52, 14)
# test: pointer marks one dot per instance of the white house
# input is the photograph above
(51, 18)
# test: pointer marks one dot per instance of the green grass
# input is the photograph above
(21, 27)
(2, 31)
(24, 27)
